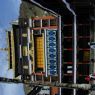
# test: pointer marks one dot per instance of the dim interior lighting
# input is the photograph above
(75, 41)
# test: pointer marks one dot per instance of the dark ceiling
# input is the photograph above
(59, 7)
(81, 7)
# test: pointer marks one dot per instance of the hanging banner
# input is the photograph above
(51, 48)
